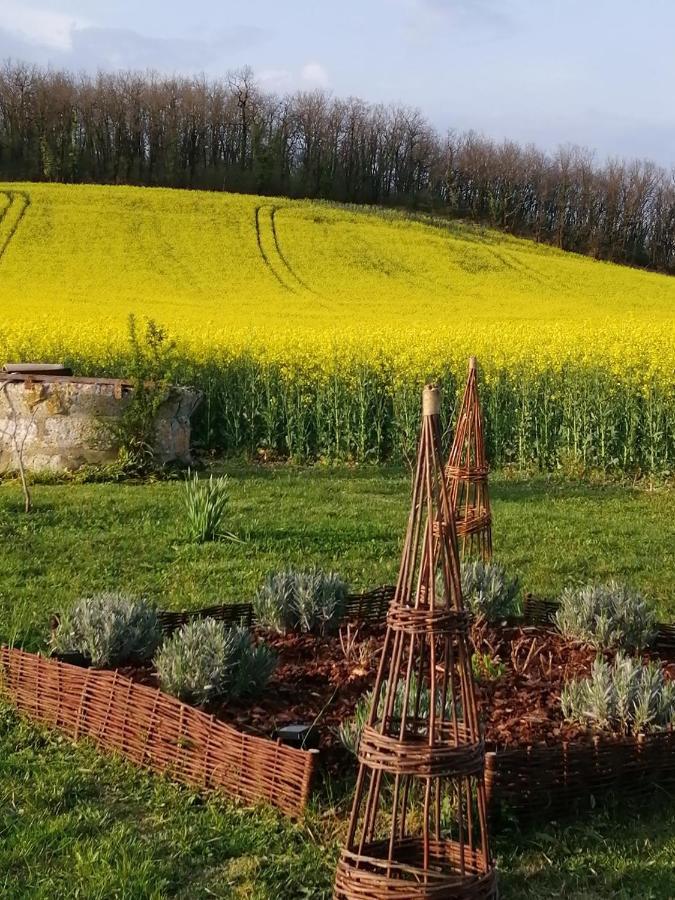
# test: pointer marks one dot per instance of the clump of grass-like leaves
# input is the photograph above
(206, 661)
(109, 629)
(624, 696)
(206, 501)
(311, 601)
(487, 590)
(606, 616)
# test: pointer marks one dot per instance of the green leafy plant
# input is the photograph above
(624, 696)
(311, 601)
(487, 590)
(605, 616)
(206, 502)
(109, 629)
(150, 368)
(486, 667)
(205, 660)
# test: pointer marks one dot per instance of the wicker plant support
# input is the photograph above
(418, 828)
(467, 475)
(157, 731)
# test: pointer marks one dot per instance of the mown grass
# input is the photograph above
(74, 823)
(83, 538)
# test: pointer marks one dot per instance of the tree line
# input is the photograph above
(230, 134)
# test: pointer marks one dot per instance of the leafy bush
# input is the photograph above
(606, 616)
(625, 696)
(109, 629)
(150, 367)
(204, 660)
(205, 506)
(488, 592)
(310, 601)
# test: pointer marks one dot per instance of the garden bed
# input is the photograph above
(315, 683)
(537, 764)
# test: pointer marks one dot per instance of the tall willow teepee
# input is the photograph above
(466, 473)
(418, 826)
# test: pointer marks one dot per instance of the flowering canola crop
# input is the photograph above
(313, 326)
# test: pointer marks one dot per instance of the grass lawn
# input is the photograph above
(76, 824)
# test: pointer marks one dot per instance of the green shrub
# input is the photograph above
(605, 616)
(206, 503)
(625, 696)
(109, 629)
(205, 661)
(487, 591)
(311, 601)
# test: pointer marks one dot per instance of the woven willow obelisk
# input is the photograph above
(467, 475)
(418, 826)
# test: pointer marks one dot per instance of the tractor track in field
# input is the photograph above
(291, 271)
(273, 257)
(263, 253)
(15, 197)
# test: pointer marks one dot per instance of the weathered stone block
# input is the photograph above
(63, 424)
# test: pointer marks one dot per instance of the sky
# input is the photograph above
(597, 73)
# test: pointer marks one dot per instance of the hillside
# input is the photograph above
(311, 326)
(200, 261)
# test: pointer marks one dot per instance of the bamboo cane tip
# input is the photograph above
(431, 400)
(472, 362)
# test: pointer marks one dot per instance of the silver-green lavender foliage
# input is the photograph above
(205, 661)
(109, 629)
(487, 590)
(606, 616)
(206, 502)
(311, 601)
(625, 696)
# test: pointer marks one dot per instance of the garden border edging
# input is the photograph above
(157, 731)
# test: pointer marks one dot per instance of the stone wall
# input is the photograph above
(62, 424)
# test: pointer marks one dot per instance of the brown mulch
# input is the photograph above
(315, 683)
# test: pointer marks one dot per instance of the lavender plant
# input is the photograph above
(109, 629)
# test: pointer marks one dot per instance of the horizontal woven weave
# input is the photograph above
(156, 731)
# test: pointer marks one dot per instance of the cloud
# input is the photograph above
(49, 38)
(313, 74)
(487, 17)
(284, 81)
(39, 26)
(121, 48)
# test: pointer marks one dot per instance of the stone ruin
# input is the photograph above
(54, 421)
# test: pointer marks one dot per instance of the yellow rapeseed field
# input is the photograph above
(310, 292)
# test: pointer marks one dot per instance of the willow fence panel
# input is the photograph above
(368, 606)
(552, 782)
(156, 731)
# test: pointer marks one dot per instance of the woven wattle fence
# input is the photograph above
(157, 731)
(368, 606)
(551, 782)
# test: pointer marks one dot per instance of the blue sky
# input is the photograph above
(599, 73)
